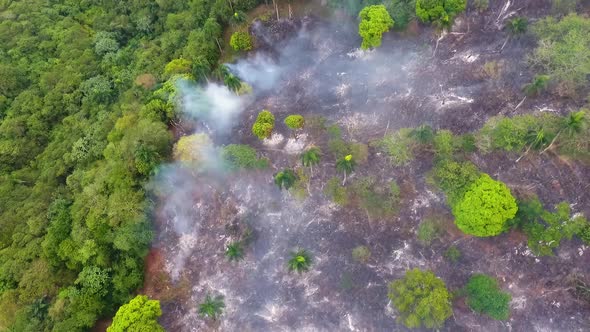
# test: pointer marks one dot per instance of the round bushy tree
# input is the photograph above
(264, 124)
(485, 208)
(375, 20)
(295, 121)
(240, 41)
(484, 296)
(421, 299)
(140, 314)
(441, 12)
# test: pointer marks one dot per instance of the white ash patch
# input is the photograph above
(522, 250)
(581, 250)
(546, 109)
(274, 140)
(518, 303)
(342, 89)
(467, 57)
(424, 200)
(296, 145)
(358, 121)
(359, 53)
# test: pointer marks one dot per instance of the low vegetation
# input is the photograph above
(239, 156)
(484, 296)
(212, 307)
(240, 41)
(299, 261)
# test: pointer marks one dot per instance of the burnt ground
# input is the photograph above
(318, 70)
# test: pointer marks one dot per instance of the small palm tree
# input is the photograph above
(517, 26)
(234, 251)
(300, 261)
(423, 134)
(221, 72)
(285, 179)
(200, 69)
(346, 165)
(232, 82)
(311, 157)
(538, 85)
(212, 307)
(573, 124)
(535, 139)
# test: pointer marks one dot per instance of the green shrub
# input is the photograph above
(453, 254)
(428, 231)
(334, 131)
(444, 144)
(359, 152)
(361, 254)
(440, 12)
(239, 156)
(264, 124)
(398, 147)
(375, 20)
(285, 179)
(376, 200)
(421, 299)
(338, 148)
(402, 12)
(563, 7)
(336, 192)
(240, 41)
(484, 296)
(294, 121)
(485, 208)
(454, 178)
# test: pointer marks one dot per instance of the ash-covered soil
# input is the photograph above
(313, 66)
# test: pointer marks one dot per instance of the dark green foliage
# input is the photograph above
(234, 251)
(299, 261)
(336, 191)
(398, 146)
(537, 86)
(421, 299)
(454, 178)
(311, 157)
(212, 307)
(239, 156)
(378, 201)
(423, 134)
(402, 12)
(484, 296)
(346, 164)
(285, 179)
(453, 254)
(440, 12)
(375, 21)
(429, 230)
(517, 26)
(485, 208)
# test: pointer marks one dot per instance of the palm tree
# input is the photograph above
(573, 124)
(212, 307)
(517, 26)
(300, 261)
(232, 82)
(234, 251)
(345, 165)
(536, 139)
(221, 72)
(285, 179)
(200, 69)
(311, 157)
(538, 85)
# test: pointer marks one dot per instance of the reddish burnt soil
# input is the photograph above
(199, 214)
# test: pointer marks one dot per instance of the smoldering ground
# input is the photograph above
(319, 70)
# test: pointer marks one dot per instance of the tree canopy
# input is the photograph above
(485, 208)
(140, 314)
(421, 299)
(484, 296)
(375, 20)
(441, 12)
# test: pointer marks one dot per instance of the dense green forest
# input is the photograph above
(83, 123)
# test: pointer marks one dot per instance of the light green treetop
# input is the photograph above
(140, 314)
(375, 20)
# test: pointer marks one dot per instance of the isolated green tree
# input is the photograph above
(299, 261)
(485, 208)
(263, 125)
(285, 178)
(345, 165)
(440, 12)
(140, 314)
(375, 20)
(421, 299)
(240, 41)
(311, 157)
(484, 296)
(212, 307)
(517, 26)
(295, 121)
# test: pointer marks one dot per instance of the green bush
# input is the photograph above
(454, 178)
(421, 299)
(240, 41)
(336, 192)
(402, 12)
(440, 12)
(453, 254)
(444, 144)
(361, 254)
(428, 231)
(375, 20)
(376, 200)
(484, 296)
(264, 124)
(485, 208)
(238, 156)
(294, 121)
(398, 146)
